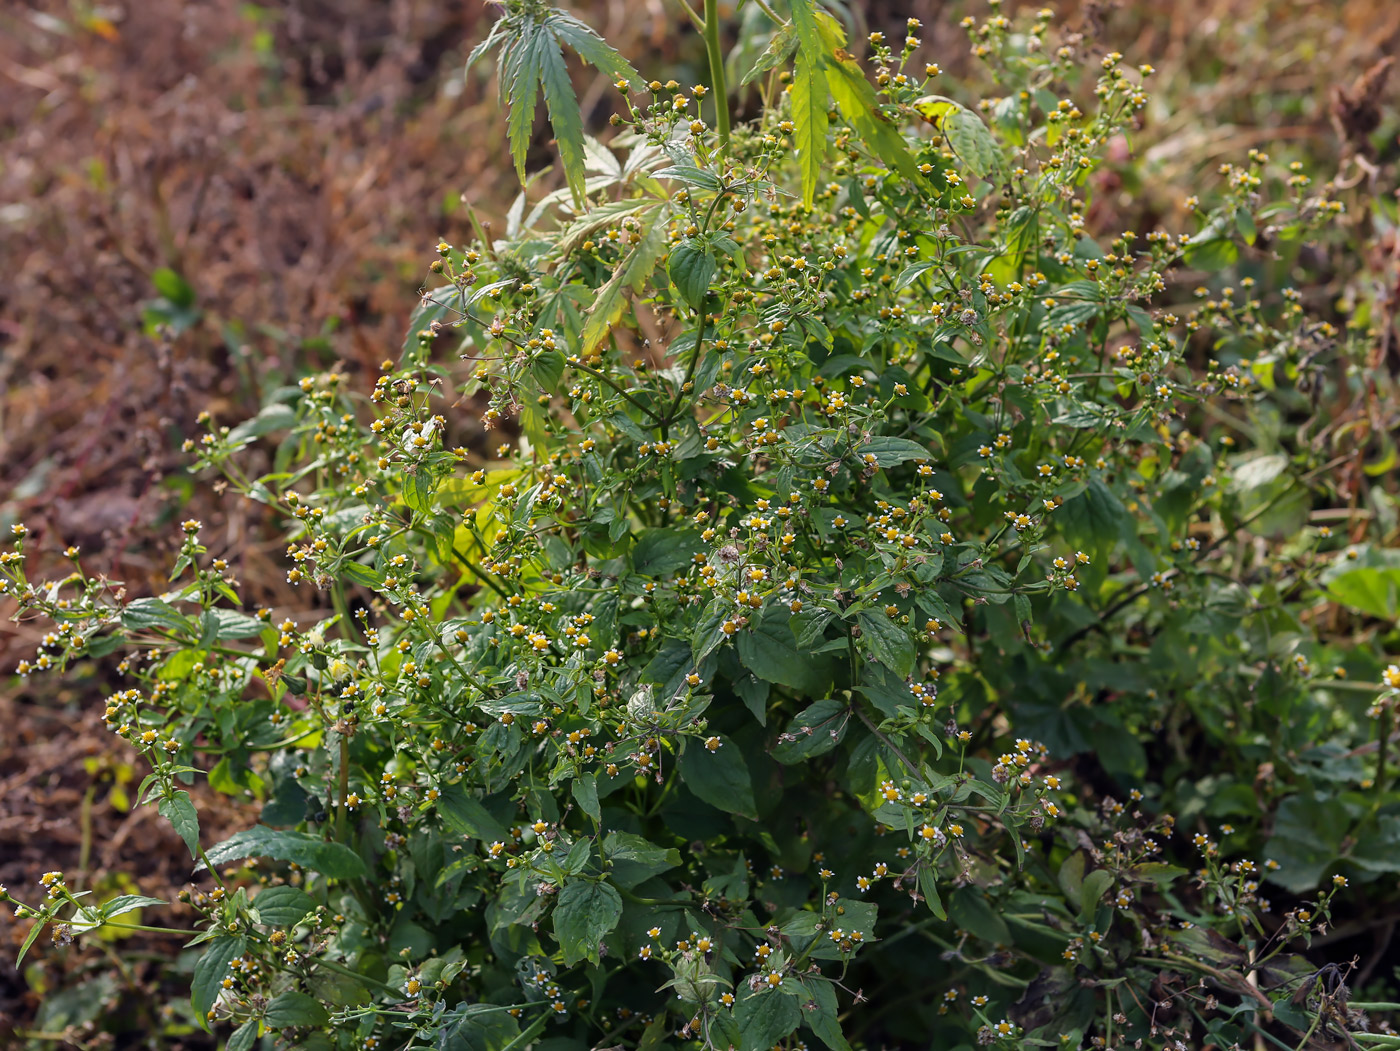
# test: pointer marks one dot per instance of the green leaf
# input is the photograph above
(889, 452)
(815, 731)
(418, 490)
(564, 116)
(1308, 833)
(173, 287)
(464, 815)
(809, 118)
(782, 44)
(29, 939)
(1212, 248)
(520, 83)
(661, 551)
(294, 1008)
(180, 812)
(274, 417)
(1092, 892)
(691, 268)
(928, 887)
(584, 913)
(479, 1027)
(333, 860)
(633, 272)
(1092, 519)
(124, 903)
(283, 906)
(236, 625)
(766, 1016)
(889, 642)
(824, 1021)
(721, 778)
(241, 1039)
(144, 613)
(636, 859)
(809, 35)
(969, 909)
(1371, 590)
(592, 48)
(585, 792)
(209, 974)
(856, 100)
(970, 139)
(768, 649)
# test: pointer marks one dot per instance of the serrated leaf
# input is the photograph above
(766, 1016)
(809, 120)
(241, 1039)
(294, 1008)
(815, 731)
(889, 451)
(636, 859)
(564, 117)
(592, 48)
(180, 812)
(519, 77)
(968, 137)
(691, 268)
(124, 903)
(825, 1020)
(209, 974)
(144, 613)
(890, 643)
(283, 906)
(584, 913)
(856, 99)
(632, 272)
(776, 53)
(333, 860)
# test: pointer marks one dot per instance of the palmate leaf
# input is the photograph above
(823, 71)
(564, 115)
(809, 94)
(531, 62)
(520, 82)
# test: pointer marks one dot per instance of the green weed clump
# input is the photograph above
(897, 613)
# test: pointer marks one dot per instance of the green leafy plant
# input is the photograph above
(889, 616)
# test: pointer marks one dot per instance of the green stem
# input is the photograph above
(147, 928)
(717, 85)
(1384, 733)
(343, 789)
(1311, 1029)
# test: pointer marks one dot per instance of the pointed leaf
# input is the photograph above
(180, 812)
(585, 912)
(334, 860)
(721, 778)
(691, 267)
(209, 974)
(564, 116)
(809, 120)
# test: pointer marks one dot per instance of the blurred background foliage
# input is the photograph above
(201, 201)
